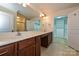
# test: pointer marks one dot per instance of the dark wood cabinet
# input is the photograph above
(7, 50)
(27, 51)
(38, 46)
(26, 47)
(46, 39)
(50, 36)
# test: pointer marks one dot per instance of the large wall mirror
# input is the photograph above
(14, 17)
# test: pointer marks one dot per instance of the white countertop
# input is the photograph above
(11, 37)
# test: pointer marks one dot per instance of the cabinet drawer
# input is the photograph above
(26, 43)
(7, 50)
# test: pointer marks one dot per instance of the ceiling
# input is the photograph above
(15, 7)
(34, 9)
(50, 8)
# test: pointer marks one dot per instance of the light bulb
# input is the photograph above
(24, 4)
(18, 17)
(42, 14)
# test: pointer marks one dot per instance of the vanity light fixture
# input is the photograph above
(40, 15)
(18, 17)
(43, 15)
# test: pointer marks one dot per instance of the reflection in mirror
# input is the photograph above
(14, 17)
(5, 22)
(20, 22)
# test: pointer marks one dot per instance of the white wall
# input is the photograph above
(64, 12)
(73, 29)
(73, 25)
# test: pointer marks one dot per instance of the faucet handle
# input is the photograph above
(18, 34)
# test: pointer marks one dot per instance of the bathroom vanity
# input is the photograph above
(28, 44)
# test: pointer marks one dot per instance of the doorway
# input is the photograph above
(60, 28)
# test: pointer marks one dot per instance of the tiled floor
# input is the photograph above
(58, 48)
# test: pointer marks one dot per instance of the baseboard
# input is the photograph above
(74, 49)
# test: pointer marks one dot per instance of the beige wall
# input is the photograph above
(46, 24)
(49, 22)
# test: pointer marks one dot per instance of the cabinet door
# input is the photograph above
(50, 38)
(26, 47)
(44, 40)
(38, 46)
(27, 51)
(7, 50)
